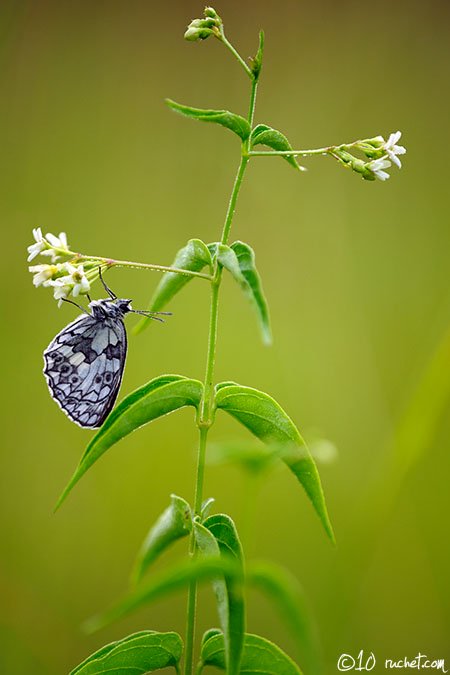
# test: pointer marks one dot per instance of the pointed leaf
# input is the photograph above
(228, 259)
(194, 257)
(175, 578)
(217, 538)
(259, 656)
(174, 523)
(265, 418)
(256, 62)
(136, 654)
(206, 507)
(227, 119)
(160, 396)
(246, 259)
(265, 135)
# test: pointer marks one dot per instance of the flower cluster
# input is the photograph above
(380, 152)
(200, 29)
(65, 278)
(50, 245)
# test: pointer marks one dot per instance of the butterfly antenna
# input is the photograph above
(112, 295)
(151, 315)
(71, 302)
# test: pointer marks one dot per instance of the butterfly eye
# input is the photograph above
(56, 356)
(74, 379)
(65, 369)
(98, 379)
(108, 377)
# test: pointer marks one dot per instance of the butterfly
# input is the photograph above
(84, 363)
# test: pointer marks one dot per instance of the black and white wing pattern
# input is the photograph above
(84, 366)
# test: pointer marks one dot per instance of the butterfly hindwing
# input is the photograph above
(84, 366)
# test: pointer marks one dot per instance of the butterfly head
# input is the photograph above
(110, 308)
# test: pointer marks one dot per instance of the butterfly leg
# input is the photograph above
(112, 295)
(71, 302)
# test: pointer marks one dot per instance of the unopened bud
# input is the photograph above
(200, 29)
(211, 12)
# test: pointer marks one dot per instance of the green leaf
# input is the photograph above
(194, 257)
(256, 62)
(265, 418)
(227, 119)
(160, 396)
(159, 585)
(265, 135)
(228, 259)
(206, 507)
(174, 523)
(285, 591)
(136, 654)
(217, 538)
(239, 260)
(259, 656)
(246, 260)
(224, 531)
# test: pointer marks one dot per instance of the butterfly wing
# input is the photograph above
(84, 367)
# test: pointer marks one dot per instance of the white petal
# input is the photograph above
(395, 159)
(393, 138)
(382, 175)
(53, 240)
(37, 234)
(63, 239)
(399, 149)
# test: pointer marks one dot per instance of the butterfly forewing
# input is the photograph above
(84, 366)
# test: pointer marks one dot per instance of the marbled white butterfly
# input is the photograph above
(85, 361)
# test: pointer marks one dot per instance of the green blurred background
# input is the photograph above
(356, 275)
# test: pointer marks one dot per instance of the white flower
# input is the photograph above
(393, 150)
(55, 243)
(377, 166)
(74, 282)
(60, 292)
(39, 246)
(58, 242)
(43, 273)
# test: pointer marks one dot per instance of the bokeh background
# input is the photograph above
(356, 275)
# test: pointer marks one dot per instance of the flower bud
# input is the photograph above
(200, 29)
(211, 13)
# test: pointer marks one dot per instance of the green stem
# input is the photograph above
(251, 110)
(145, 266)
(235, 54)
(291, 153)
(192, 591)
(206, 409)
(233, 198)
(205, 420)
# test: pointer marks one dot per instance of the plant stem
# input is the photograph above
(233, 199)
(205, 418)
(147, 266)
(291, 153)
(235, 53)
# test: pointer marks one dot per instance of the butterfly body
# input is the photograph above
(84, 363)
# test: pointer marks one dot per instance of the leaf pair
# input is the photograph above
(254, 409)
(262, 134)
(238, 259)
